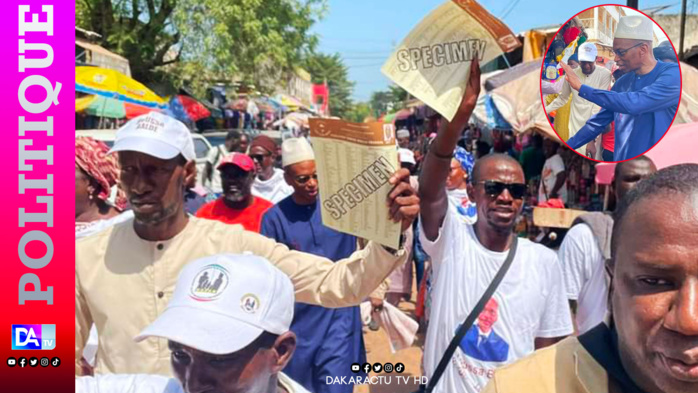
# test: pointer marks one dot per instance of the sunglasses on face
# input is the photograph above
(259, 157)
(622, 52)
(305, 178)
(495, 188)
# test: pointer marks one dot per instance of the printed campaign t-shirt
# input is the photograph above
(552, 167)
(585, 276)
(530, 302)
(465, 208)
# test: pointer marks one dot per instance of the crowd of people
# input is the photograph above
(241, 288)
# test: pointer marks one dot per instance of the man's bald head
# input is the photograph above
(491, 160)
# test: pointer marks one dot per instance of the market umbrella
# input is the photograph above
(110, 107)
(185, 108)
(113, 84)
(519, 104)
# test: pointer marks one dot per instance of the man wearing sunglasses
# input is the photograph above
(532, 307)
(269, 183)
(330, 339)
(642, 103)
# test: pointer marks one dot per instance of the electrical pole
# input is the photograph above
(683, 28)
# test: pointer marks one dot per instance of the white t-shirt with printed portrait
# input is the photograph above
(530, 302)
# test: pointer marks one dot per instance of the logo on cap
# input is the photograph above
(149, 124)
(249, 303)
(209, 283)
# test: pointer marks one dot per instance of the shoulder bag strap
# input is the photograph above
(471, 317)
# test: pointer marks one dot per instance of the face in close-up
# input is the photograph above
(302, 176)
(633, 58)
(154, 187)
(249, 370)
(655, 292)
(498, 212)
(237, 183)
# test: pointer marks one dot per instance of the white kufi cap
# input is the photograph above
(635, 27)
(295, 150)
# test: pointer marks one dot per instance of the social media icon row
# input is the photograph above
(377, 367)
(33, 337)
(33, 362)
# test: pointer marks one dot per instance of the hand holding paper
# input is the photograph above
(403, 201)
(433, 62)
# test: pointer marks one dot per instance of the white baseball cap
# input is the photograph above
(222, 303)
(295, 150)
(156, 135)
(403, 133)
(406, 156)
(635, 27)
(587, 52)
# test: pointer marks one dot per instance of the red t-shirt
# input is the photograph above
(250, 217)
(609, 138)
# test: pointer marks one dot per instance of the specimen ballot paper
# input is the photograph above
(354, 163)
(433, 62)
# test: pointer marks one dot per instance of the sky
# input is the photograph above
(365, 32)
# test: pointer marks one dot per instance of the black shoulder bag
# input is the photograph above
(471, 318)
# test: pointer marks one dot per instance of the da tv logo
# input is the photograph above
(33, 337)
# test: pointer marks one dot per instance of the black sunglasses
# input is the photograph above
(494, 188)
(305, 178)
(259, 157)
(622, 52)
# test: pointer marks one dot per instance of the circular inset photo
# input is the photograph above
(611, 83)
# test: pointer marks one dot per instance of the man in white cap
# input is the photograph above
(643, 102)
(249, 303)
(227, 326)
(329, 339)
(125, 275)
(403, 138)
(580, 109)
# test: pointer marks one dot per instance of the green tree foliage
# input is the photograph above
(387, 101)
(331, 68)
(253, 41)
(359, 112)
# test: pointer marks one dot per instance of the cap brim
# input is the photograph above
(232, 163)
(149, 146)
(203, 330)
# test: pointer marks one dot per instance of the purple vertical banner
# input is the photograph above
(37, 108)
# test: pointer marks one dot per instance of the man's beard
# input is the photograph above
(155, 218)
